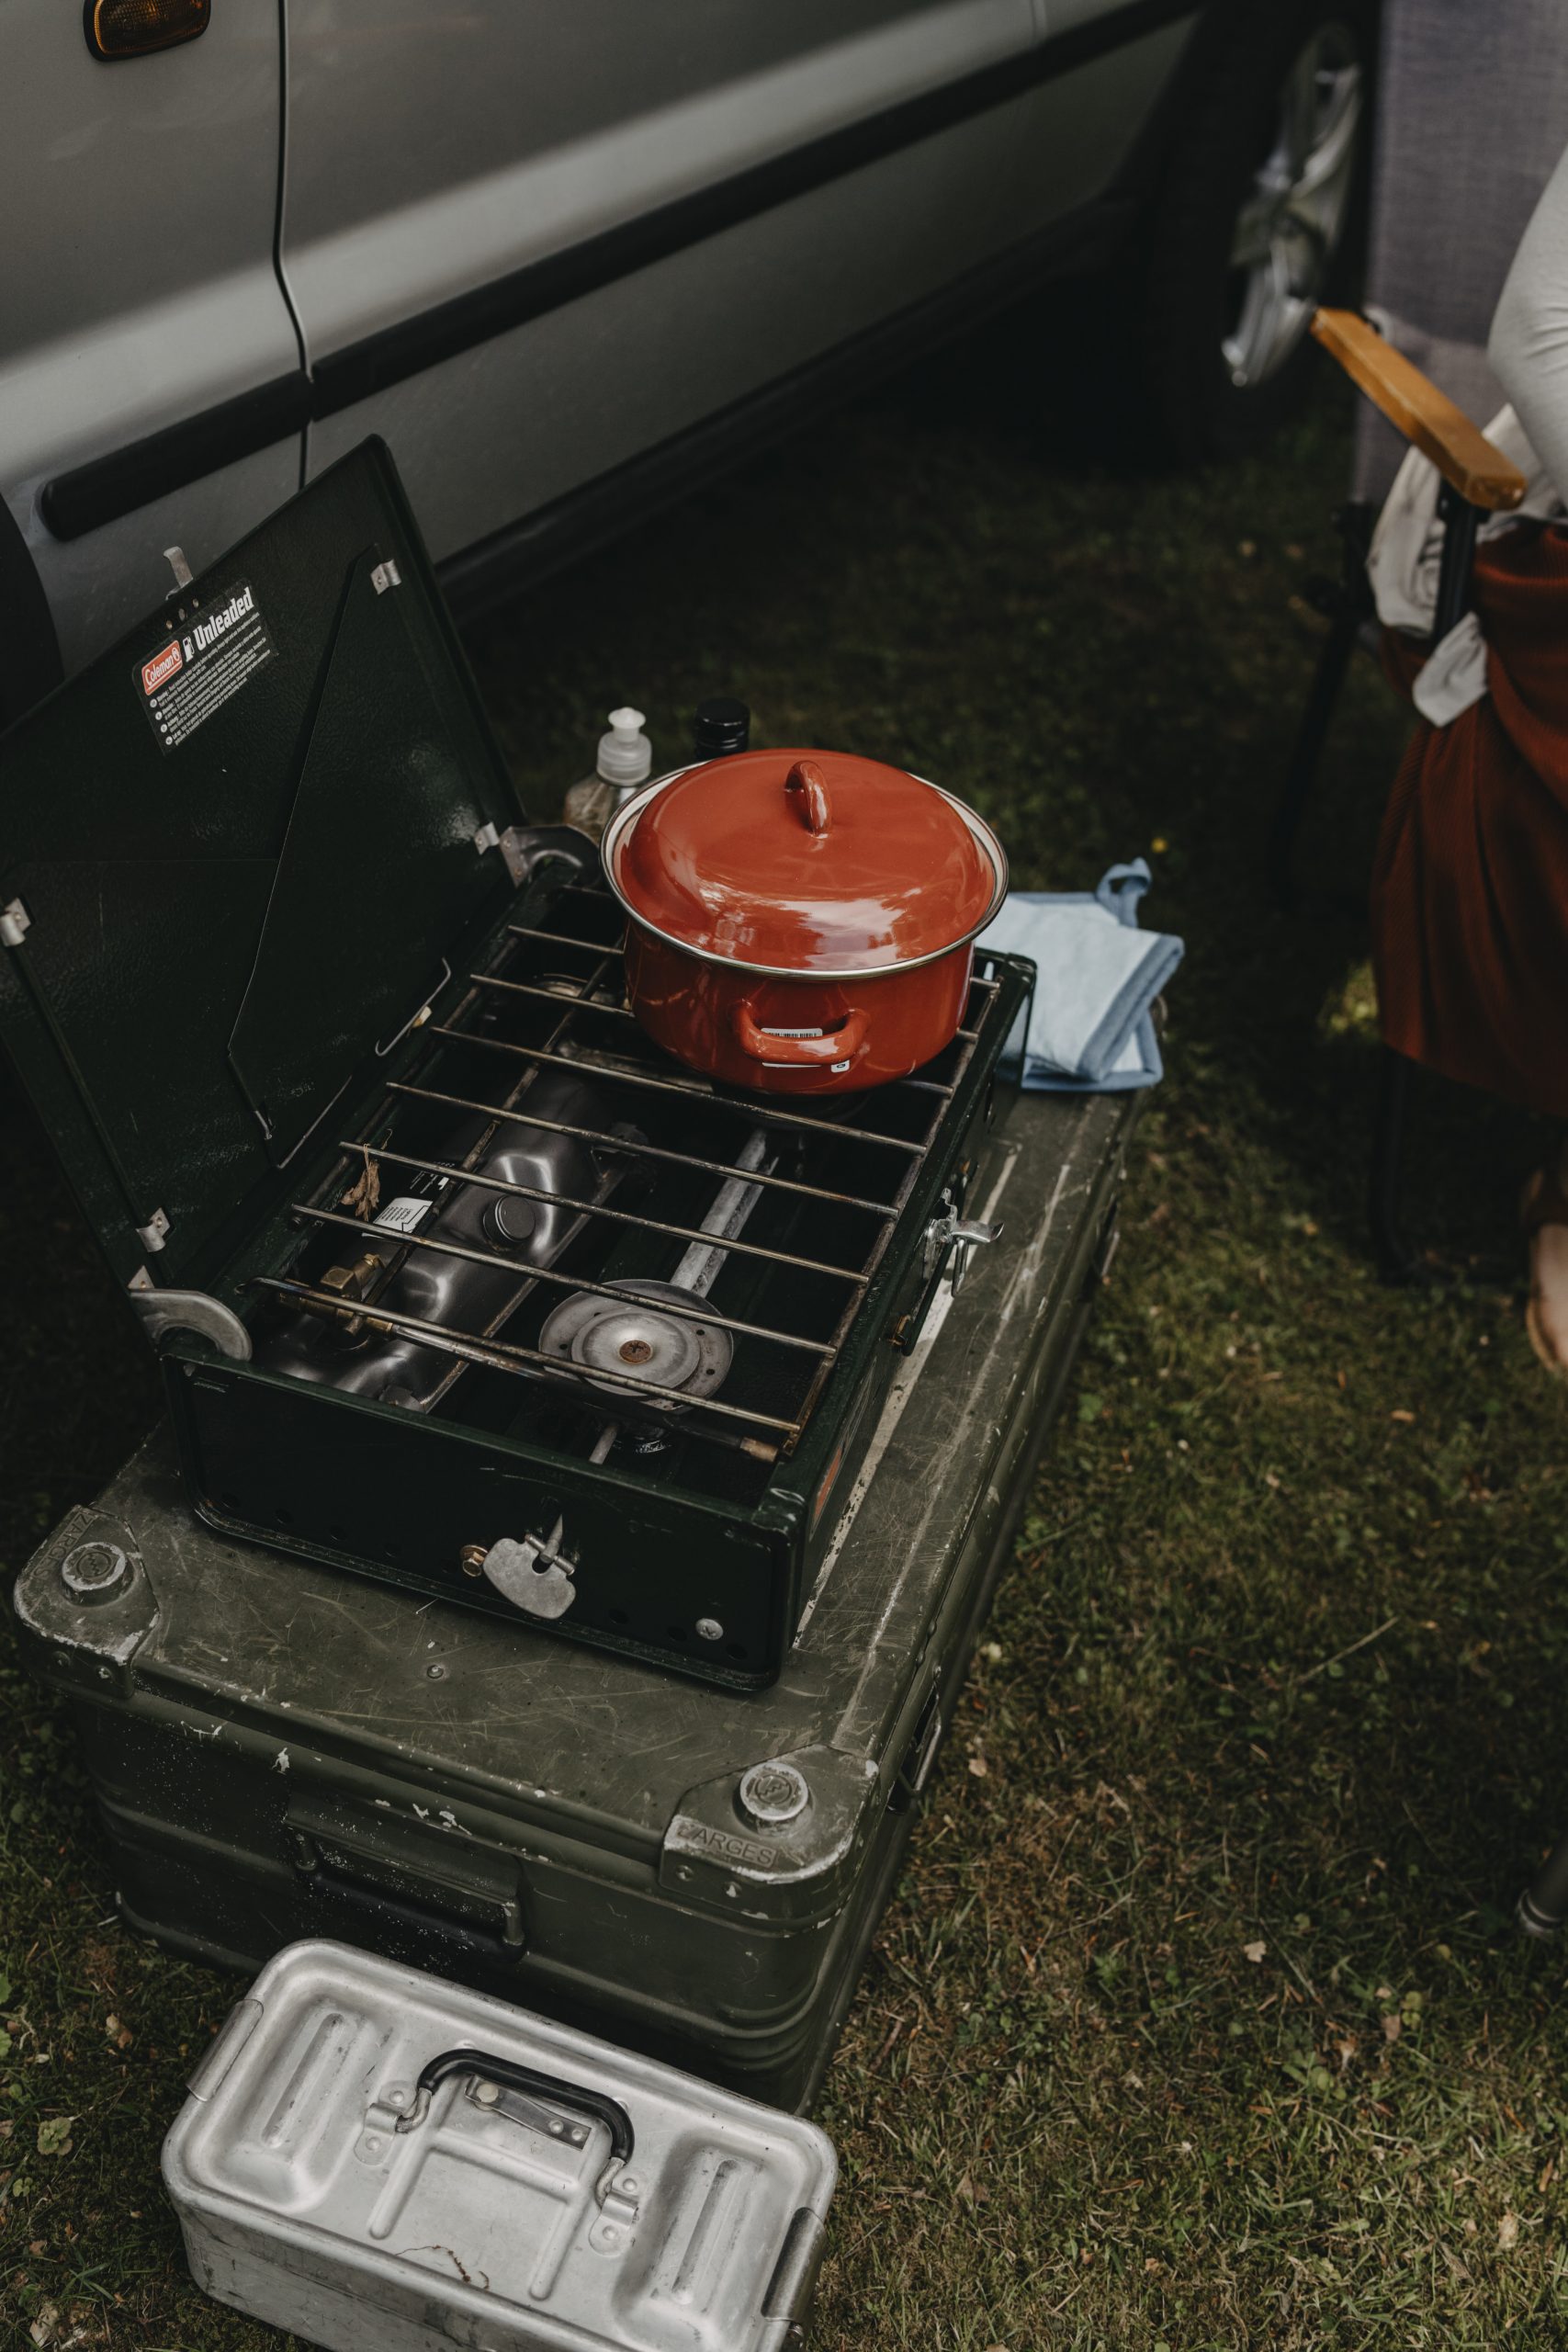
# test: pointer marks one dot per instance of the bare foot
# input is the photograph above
(1545, 1211)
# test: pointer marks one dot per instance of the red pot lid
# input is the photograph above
(804, 862)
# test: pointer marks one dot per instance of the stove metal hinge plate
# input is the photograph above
(156, 1232)
(186, 1310)
(513, 844)
(525, 847)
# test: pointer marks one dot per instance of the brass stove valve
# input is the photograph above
(351, 1283)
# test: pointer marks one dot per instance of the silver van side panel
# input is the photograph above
(137, 285)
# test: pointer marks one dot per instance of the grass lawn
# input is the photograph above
(1198, 2021)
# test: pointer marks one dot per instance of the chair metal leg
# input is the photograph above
(1396, 1261)
(1302, 773)
(1460, 522)
(1345, 603)
(1543, 1905)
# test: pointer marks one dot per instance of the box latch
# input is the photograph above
(921, 1755)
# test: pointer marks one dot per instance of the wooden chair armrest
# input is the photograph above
(1413, 404)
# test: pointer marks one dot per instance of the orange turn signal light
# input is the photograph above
(134, 27)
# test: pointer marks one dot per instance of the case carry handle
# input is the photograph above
(598, 2106)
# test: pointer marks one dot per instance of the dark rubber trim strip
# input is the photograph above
(106, 488)
(596, 512)
(369, 367)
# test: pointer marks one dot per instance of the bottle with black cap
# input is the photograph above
(721, 725)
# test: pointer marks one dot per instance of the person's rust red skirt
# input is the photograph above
(1470, 889)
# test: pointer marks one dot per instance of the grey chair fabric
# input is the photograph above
(1472, 116)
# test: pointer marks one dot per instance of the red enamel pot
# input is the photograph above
(801, 922)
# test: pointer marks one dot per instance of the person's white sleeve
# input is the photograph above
(1528, 347)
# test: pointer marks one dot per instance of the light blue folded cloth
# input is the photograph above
(1091, 1031)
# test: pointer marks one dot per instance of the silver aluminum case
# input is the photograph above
(501, 2222)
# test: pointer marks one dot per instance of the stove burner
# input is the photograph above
(627, 1335)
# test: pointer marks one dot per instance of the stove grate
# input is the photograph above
(551, 1000)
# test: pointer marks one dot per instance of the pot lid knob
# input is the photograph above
(804, 862)
(808, 788)
(721, 725)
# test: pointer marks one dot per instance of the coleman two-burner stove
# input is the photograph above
(460, 1283)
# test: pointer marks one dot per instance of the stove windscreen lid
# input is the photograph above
(238, 856)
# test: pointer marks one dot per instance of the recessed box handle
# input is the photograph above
(477, 1902)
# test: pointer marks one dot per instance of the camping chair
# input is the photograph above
(1473, 117)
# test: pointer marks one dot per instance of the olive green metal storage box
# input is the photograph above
(279, 1752)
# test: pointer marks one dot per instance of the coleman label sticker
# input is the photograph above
(217, 650)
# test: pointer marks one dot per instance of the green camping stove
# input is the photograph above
(459, 1284)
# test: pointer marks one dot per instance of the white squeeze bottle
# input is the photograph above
(625, 761)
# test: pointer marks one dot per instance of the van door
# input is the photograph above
(526, 241)
(140, 296)
(1105, 66)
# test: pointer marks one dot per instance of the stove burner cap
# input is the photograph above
(628, 1335)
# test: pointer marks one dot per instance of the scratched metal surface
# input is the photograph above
(527, 1724)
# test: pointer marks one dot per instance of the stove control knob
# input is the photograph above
(534, 1575)
(95, 1572)
(773, 1794)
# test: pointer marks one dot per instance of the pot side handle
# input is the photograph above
(808, 788)
(839, 1045)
